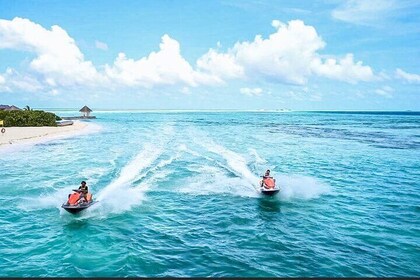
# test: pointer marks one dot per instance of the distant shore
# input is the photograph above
(27, 135)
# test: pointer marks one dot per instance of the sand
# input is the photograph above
(24, 135)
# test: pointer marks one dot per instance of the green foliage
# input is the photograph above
(28, 118)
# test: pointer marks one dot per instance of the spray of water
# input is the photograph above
(292, 186)
(257, 157)
(301, 187)
(120, 195)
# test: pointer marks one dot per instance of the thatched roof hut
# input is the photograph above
(9, 108)
(85, 111)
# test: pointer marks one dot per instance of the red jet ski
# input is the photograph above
(77, 203)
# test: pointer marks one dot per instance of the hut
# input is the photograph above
(85, 114)
(85, 111)
(9, 108)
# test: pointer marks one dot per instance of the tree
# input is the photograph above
(27, 108)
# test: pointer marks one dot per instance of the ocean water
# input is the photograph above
(177, 196)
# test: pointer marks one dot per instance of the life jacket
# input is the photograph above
(84, 189)
(74, 197)
(269, 183)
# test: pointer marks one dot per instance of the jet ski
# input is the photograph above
(76, 203)
(268, 186)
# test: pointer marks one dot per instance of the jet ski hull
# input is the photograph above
(74, 209)
(270, 192)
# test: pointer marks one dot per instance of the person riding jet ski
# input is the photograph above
(268, 185)
(80, 195)
(79, 200)
(84, 192)
(268, 182)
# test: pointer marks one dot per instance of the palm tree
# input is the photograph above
(27, 108)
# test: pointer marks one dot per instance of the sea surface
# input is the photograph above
(178, 196)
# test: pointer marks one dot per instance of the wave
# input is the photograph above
(236, 162)
(256, 156)
(217, 181)
(214, 180)
(51, 200)
(120, 195)
(301, 187)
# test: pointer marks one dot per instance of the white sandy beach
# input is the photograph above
(24, 135)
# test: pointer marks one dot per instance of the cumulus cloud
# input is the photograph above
(58, 59)
(164, 67)
(12, 80)
(344, 69)
(289, 55)
(411, 78)
(220, 65)
(251, 91)
(101, 45)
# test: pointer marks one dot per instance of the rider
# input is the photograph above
(83, 190)
(268, 182)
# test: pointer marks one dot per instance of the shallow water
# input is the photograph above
(178, 197)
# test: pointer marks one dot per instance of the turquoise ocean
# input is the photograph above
(177, 196)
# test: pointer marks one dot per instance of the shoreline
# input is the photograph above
(18, 136)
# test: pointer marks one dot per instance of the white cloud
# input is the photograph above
(13, 80)
(165, 67)
(385, 91)
(363, 12)
(251, 91)
(101, 45)
(57, 56)
(276, 23)
(411, 78)
(343, 70)
(221, 66)
(290, 55)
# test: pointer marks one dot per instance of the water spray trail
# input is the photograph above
(236, 162)
(119, 193)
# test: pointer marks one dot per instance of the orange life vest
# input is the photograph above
(269, 183)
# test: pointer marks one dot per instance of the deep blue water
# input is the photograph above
(177, 196)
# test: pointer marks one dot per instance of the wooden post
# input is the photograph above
(3, 130)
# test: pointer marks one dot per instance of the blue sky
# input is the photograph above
(301, 55)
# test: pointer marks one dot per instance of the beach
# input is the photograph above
(26, 135)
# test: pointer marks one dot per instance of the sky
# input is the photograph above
(221, 54)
